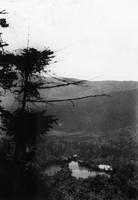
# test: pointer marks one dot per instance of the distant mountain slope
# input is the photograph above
(92, 114)
(112, 86)
(90, 87)
(98, 114)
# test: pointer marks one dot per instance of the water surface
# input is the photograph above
(77, 170)
(83, 172)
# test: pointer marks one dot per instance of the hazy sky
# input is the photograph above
(93, 39)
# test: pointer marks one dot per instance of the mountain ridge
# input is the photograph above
(92, 114)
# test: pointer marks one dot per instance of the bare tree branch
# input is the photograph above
(62, 85)
(60, 79)
(69, 99)
(3, 12)
(65, 80)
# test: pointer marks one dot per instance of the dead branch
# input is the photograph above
(3, 12)
(69, 99)
(65, 80)
(59, 79)
(62, 85)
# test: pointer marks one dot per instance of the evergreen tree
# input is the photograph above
(3, 24)
(21, 73)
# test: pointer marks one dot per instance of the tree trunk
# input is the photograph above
(20, 135)
(24, 93)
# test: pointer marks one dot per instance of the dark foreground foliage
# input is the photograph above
(28, 184)
(120, 186)
(17, 182)
(26, 181)
(117, 148)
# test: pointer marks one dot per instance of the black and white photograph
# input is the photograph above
(68, 100)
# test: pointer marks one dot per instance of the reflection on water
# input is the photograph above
(83, 172)
(77, 170)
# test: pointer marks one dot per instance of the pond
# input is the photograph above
(83, 172)
(77, 170)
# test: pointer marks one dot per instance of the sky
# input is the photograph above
(92, 39)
